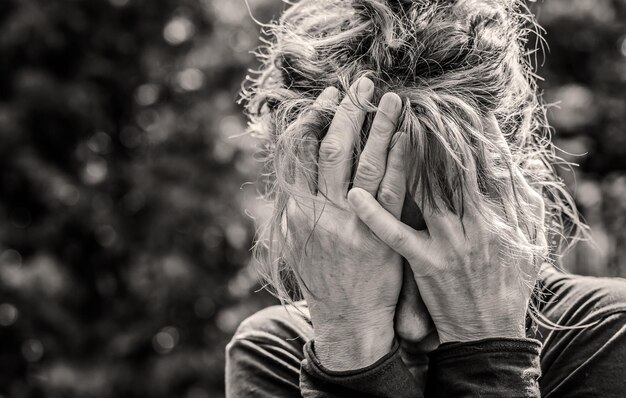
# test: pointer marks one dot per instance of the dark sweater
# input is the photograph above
(272, 354)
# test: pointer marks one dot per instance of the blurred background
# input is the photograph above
(125, 183)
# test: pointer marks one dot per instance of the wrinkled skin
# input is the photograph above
(353, 279)
(470, 290)
(350, 248)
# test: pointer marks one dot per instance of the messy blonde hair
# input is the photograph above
(454, 63)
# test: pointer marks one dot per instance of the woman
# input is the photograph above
(417, 212)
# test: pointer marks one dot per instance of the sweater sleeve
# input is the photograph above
(496, 367)
(387, 377)
(489, 368)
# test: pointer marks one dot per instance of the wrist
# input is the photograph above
(512, 330)
(352, 347)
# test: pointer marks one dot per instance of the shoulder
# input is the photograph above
(287, 325)
(263, 357)
(580, 298)
(586, 348)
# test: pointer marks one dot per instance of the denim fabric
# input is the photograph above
(272, 354)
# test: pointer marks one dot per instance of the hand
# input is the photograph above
(351, 278)
(469, 289)
(412, 322)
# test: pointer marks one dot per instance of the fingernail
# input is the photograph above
(356, 197)
(390, 102)
(365, 85)
(330, 93)
(395, 139)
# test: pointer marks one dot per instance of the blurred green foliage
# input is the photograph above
(124, 240)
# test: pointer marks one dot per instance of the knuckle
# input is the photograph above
(348, 108)
(368, 169)
(332, 151)
(389, 195)
(398, 238)
(382, 125)
(394, 236)
(347, 117)
(396, 164)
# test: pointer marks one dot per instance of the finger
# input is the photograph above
(393, 185)
(372, 161)
(336, 149)
(412, 320)
(439, 221)
(306, 171)
(409, 243)
(536, 203)
(502, 159)
(530, 195)
(423, 204)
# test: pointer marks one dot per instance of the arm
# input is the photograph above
(589, 361)
(261, 368)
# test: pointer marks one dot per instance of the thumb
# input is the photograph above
(408, 242)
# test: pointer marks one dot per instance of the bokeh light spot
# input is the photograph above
(165, 340)
(100, 143)
(147, 94)
(8, 314)
(178, 30)
(68, 194)
(11, 257)
(577, 106)
(190, 79)
(227, 320)
(95, 171)
(223, 152)
(148, 119)
(237, 235)
(589, 194)
(32, 350)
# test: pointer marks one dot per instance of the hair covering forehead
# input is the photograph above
(452, 62)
